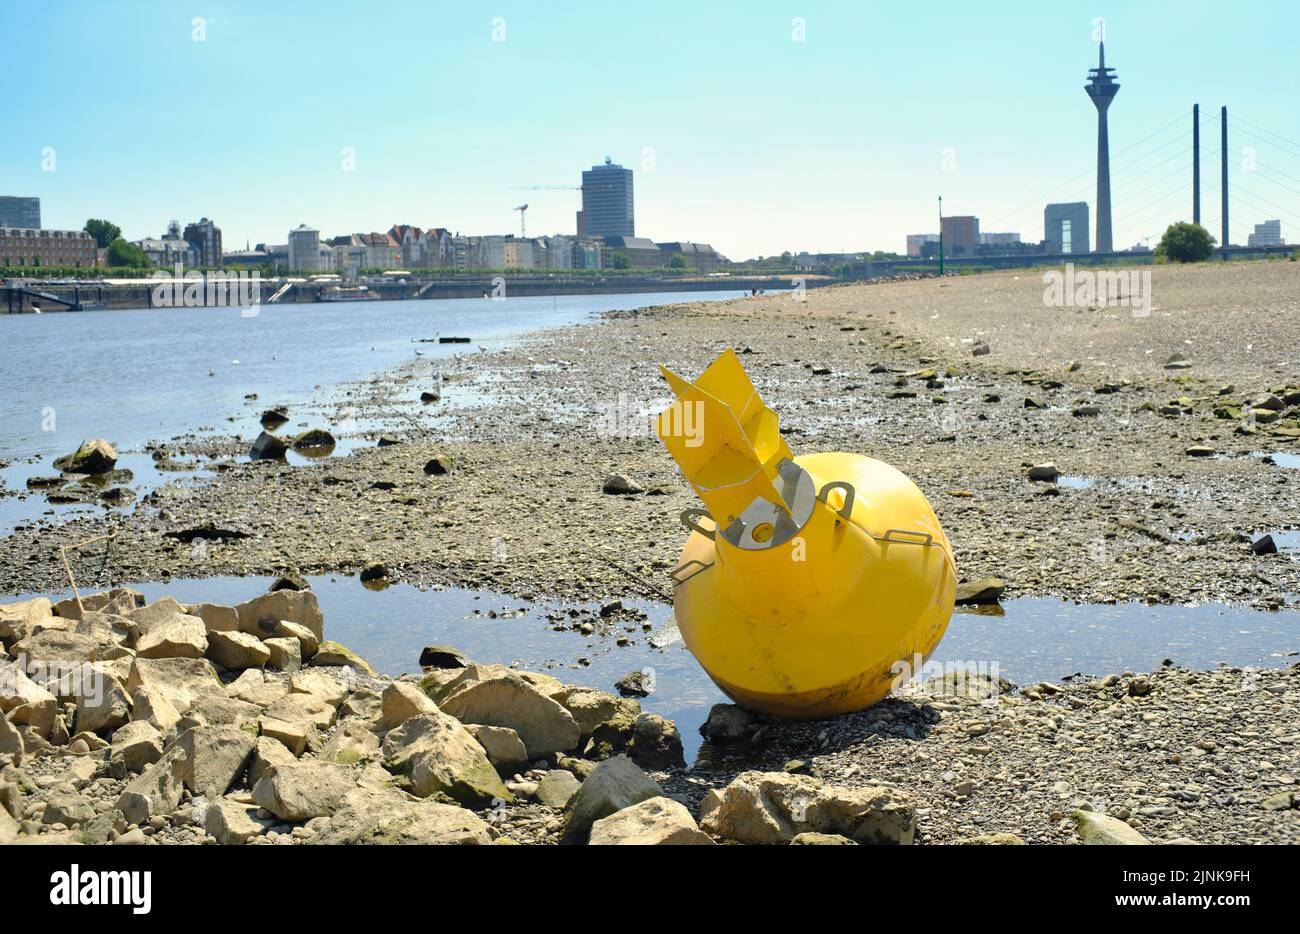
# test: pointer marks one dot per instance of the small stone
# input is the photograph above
(442, 656)
(982, 591)
(619, 484)
(1264, 545)
(1100, 829)
(635, 684)
(726, 723)
(438, 465)
(557, 788)
(813, 838)
(1044, 472)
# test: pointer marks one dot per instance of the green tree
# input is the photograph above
(121, 253)
(619, 260)
(1185, 243)
(677, 262)
(104, 232)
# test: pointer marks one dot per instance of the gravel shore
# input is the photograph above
(1166, 431)
(532, 432)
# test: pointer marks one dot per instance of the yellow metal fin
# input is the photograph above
(726, 441)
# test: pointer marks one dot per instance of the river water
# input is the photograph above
(146, 375)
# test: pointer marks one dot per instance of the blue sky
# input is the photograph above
(739, 135)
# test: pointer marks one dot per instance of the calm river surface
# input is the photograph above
(150, 374)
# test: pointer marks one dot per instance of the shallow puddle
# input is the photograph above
(1043, 638)
(1287, 541)
(1288, 459)
(1026, 640)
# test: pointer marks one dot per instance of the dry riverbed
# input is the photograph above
(1171, 434)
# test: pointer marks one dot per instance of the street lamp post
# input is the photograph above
(941, 235)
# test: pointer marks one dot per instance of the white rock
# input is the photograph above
(138, 743)
(262, 615)
(215, 758)
(441, 757)
(322, 684)
(178, 636)
(400, 701)
(233, 822)
(543, 725)
(387, 816)
(237, 650)
(774, 807)
(26, 702)
(653, 822)
(155, 791)
(299, 791)
(1096, 829)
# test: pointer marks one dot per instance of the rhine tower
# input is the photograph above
(1102, 88)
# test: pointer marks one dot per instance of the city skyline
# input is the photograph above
(837, 141)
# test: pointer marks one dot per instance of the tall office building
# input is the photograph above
(607, 202)
(205, 237)
(1102, 88)
(1065, 227)
(916, 243)
(961, 234)
(304, 249)
(20, 212)
(1268, 233)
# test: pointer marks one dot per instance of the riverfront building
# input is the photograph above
(205, 236)
(698, 256)
(21, 247)
(961, 234)
(642, 252)
(304, 249)
(607, 202)
(916, 243)
(1268, 233)
(1065, 227)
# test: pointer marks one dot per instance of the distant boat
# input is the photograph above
(348, 293)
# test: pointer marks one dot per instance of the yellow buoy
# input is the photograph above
(810, 584)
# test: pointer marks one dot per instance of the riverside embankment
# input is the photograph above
(56, 297)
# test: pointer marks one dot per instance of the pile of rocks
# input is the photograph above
(134, 722)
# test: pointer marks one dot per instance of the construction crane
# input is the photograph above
(521, 209)
(553, 188)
